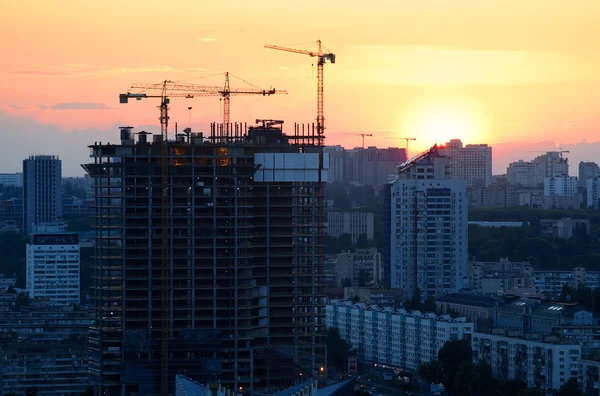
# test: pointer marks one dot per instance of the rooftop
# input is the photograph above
(468, 299)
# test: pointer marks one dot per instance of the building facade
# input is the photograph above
(11, 179)
(244, 260)
(543, 365)
(471, 163)
(350, 265)
(44, 347)
(53, 268)
(336, 163)
(587, 170)
(561, 186)
(353, 223)
(521, 173)
(394, 337)
(593, 193)
(499, 276)
(41, 190)
(427, 227)
(563, 228)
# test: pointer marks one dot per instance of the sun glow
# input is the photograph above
(436, 123)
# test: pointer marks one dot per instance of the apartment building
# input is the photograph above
(425, 221)
(11, 179)
(471, 163)
(587, 170)
(394, 337)
(353, 223)
(499, 276)
(563, 228)
(542, 365)
(350, 265)
(41, 190)
(52, 268)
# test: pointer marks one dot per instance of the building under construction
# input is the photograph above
(245, 258)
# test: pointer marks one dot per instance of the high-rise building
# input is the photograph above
(587, 170)
(353, 223)
(593, 193)
(427, 227)
(472, 163)
(53, 268)
(41, 190)
(11, 179)
(521, 173)
(245, 304)
(363, 166)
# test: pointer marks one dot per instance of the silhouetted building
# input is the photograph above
(41, 190)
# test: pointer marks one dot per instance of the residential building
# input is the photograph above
(471, 163)
(353, 223)
(521, 173)
(11, 179)
(550, 164)
(394, 337)
(426, 224)
(561, 186)
(589, 377)
(41, 190)
(12, 210)
(474, 307)
(53, 268)
(336, 163)
(586, 335)
(502, 194)
(351, 264)
(563, 228)
(7, 281)
(44, 347)
(381, 297)
(543, 365)
(587, 170)
(245, 259)
(593, 193)
(553, 281)
(499, 276)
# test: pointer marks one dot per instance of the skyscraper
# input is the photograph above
(471, 163)
(41, 190)
(427, 227)
(245, 259)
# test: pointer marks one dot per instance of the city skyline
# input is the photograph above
(485, 74)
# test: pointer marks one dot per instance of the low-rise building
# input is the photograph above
(381, 297)
(543, 365)
(350, 265)
(11, 179)
(476, 308)
(394, 337)
(7, 281)
(563, 228)
(554, 281)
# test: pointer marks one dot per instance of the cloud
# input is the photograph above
(195, 69)
(210, 39)
(84, 70)
(48, 73)
(18, 107)
(80, 106)
(284, 67)
(42, 107)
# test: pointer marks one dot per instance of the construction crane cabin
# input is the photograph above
(322, 58)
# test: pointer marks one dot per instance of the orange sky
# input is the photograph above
(483, 71)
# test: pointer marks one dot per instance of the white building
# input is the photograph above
(593, 193)
(53, 268)
(472, 163)
(394, 337)
(353, 223)
(542, 365)
(560, 186)
(11, 179)
(42, 201)
(427, 217)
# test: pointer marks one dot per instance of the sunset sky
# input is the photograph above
(509, 73)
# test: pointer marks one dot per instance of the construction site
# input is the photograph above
(209, 254)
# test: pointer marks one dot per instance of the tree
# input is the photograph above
(88, 392)
(530, 392)
(362, 242)
(22, 300)
(363, 278)
(429, 305)
(346, 282)
(356, 299)
(338, 349)
(345, 243)
(451, 357)
(570, 388)
(431, 372)
(31, 391)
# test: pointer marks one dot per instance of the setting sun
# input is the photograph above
(438, 122)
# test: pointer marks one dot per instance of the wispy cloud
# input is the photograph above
(84, 70)
(80, 106)
(42, 107)
(18, 107)
(195, 69)
(284, 67)
(210, 39)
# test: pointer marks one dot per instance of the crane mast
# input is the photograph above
(322, 58)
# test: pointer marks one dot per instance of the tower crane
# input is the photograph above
(205, 90)
(407, 139)
(363, 135)
(322, 59)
